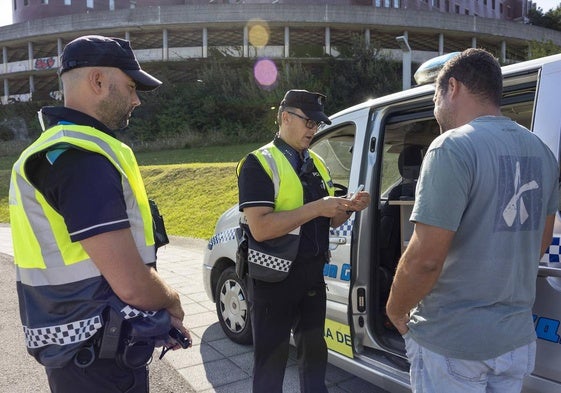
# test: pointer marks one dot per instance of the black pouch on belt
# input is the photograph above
(134, 351)
(160, 234)
(111, 336)
(140, 336)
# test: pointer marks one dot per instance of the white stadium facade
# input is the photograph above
(182, 32)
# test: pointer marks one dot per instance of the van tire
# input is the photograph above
(232, 307)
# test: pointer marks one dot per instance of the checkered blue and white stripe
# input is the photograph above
(229, 234)
(222, 237)
(268, 261)
(68, 333)
(130, 312)
(73, 332)
(552, 253)
(345, 229)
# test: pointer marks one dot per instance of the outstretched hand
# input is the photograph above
(332, 206)
(359, 201)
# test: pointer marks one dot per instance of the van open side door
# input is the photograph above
(547, 308)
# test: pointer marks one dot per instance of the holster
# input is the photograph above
(111, 337)
(117, 343)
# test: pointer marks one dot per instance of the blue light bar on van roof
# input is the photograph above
(428, 71)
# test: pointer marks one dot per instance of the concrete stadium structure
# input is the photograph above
(24, 10)
(180, 35)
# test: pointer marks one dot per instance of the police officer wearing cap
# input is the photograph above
(286, 196)
(82, 226)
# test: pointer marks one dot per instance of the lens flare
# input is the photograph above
(265, 72)
(258, 33)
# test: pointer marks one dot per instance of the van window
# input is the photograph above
(404, 144)
(336, 149)
(405, 129)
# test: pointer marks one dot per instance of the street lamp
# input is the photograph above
(406, 62)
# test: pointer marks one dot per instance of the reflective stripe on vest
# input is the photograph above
(277, 166)
(43, 251)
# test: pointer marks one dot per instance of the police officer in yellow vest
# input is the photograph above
(82, 226)
(286, 196)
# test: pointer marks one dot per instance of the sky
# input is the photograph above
(6, 9)
(545, 5)
(5, 12)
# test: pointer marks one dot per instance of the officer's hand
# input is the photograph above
(175, 322)
(332, 206)
(175, 309)
(359, 202)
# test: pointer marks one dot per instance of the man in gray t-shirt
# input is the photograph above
(484, 213)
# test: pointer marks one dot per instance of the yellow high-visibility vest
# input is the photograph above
(39, 233)
(271, 260)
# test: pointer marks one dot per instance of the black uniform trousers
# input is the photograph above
(298, 304)
(103, 375)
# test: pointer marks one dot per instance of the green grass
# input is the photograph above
(191, 197)
(4, 186)
(191, 186)
(192, 155)
(6, 162)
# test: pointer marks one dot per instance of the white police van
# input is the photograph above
(380, 144)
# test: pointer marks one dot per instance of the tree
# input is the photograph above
(550, 20)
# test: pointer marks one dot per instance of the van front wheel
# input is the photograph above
(232, 307)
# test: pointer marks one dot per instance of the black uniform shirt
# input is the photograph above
(84, 187)
(256, 189)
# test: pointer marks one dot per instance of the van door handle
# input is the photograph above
(549, 272)
(338, 240)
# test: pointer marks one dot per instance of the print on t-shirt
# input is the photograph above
(520, 199)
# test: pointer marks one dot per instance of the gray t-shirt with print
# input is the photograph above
(492, 182)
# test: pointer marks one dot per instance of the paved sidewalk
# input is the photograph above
(214, 363)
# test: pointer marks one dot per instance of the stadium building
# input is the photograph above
(180, 32)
